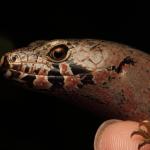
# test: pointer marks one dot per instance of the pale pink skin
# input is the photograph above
(116, 136)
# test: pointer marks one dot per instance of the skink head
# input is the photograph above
(67, 64)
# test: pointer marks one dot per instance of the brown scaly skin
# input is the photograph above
(108, 78)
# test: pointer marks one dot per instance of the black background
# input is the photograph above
(30, 120)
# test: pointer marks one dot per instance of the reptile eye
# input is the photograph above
(58, 53)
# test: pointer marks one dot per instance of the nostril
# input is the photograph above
(13, 59)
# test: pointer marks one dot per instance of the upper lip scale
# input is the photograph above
(1, 61)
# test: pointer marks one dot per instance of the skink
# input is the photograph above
(109, 78)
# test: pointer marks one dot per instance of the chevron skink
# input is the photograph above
(109, 78)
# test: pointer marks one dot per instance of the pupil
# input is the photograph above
(58, 54)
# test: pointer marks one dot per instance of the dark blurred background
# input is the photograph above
(30, 120)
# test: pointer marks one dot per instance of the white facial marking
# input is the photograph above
(32, 58)
(96, 56)
(41, 82)
(81, 55)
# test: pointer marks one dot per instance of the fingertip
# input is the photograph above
(116, 135)
(100, 131)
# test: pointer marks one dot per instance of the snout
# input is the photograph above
(25, 63)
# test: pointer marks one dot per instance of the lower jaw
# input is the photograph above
(34, 81)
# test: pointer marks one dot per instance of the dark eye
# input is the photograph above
(58, 53)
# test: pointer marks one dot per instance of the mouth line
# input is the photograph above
(30, 68)
(28, 74)
(40, 81)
